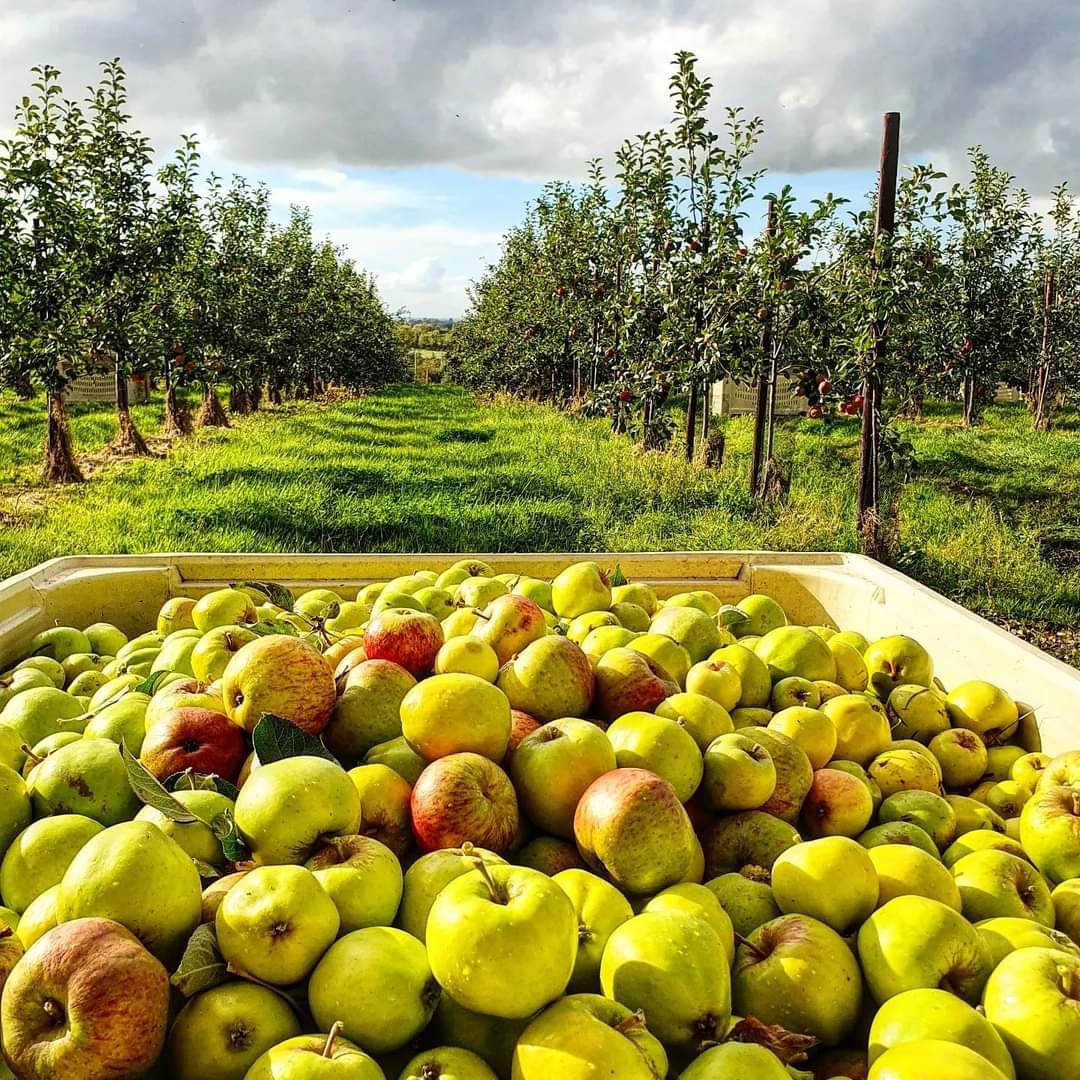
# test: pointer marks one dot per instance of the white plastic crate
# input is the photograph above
(740, 399)
(102, 387)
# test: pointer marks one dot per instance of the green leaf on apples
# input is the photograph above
(150, 684)
(202, 966)
(151, 792)
(333, 610)
(206, 871)
(275, 738)
(275, 593)
(730, 615)
(274, 626)
(189, 780)
(224, 828)
(617, 577)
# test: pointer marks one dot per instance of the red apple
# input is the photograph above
(521, 724)
(464, 798)
(629, 681)
(198, 739)
(509, 623)
(631, 824)
(87, 1000)
(408, 638)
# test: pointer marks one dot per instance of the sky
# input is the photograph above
(417, 130)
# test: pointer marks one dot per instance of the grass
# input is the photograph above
(989, 518)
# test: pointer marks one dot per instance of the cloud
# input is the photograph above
(534, 90)
(424, 275)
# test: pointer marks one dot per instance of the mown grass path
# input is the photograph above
(991, 517)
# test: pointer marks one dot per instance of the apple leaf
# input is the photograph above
(274, 626)
(333, 610)
(275, 593)
(224, 828)
(151, 792)
(202, 966)
(275, 738)
(616, 577)
(206, 871)
(730, 615)
(189, 780)
(150, 683)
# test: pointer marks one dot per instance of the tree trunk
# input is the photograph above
(691, 418)
(23, 388)
(706, 412)
(968, 391)
(211, 414)
(275, 394)
(1042, 380)
(129, 441)
(177, 415)
(59, 465)
(256, 396)
(241, 402)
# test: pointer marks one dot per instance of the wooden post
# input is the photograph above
(761, 406)
(869, 444)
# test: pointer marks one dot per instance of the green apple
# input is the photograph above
(460, 622)
(137, 876)
(913, 942)
(363, 879)
(276, 923)
(503, 940)
(87, 684)
(392, 598)
(631, 616)
(534, 589)
(763, 614)
(151, 639)
(1006, 934)
(810, 729)
(839, 803)
(995, 883)
(105, 639)
(352, 615)
(717, 680)
(398, 755)
(746, 898)
(862, 727)
(751, 838)
(38, 857)
(832, 880)
(1061, 771)
(695, 631)
(983, 708)
(549, 678)
(583, 1036)
(672, 659)
(739, 774)
(794, 774)
(851, 672)
(175, 614)
(369, 593)
(972, 815)
(40, 711)
(59, 642)
(220, 1033)
(39, 918)
(478, 592)
(368, 712)
(447, 1063)
(278, 818)
(1000, 760)
(211, 654)
(980, 840)
(793, 691)
(744, 718)
(796, 972)
(552, 767)
(1033, 1000)
(904, 770)
(672, 966)
(735, 1060)
(122, 722)
(897, 661)
(1050, 832)
(962, 756)
(930, 812)
(828, 690)
(600, 908)
(222, 607)
(316, 1057)
(908, 1061)
(183, 694)
(644, 740)
(391, 1004)
(605, 638)
(905, 870)
(111, 690)
(1007, 798)
(467, 655)
(754, 678)
(79, 663)
(581, 587)
(702, 717)
(456, 713)
(49, 745)
(581, 626)
(15, 809)
(1066, 899)
(52, 669)
(635, 592)
(86, 777)
(794, 650)
(18, 682)
(195, 837)
(917, 712)
(700, 901)
(690, 600)
(384, 806)
(427, 877)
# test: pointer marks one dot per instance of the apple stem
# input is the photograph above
(30, 754)
(497, 893)
(335, 1031)
(759, 953)
(634, 1022)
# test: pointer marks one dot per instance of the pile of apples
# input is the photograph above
(472, 825)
